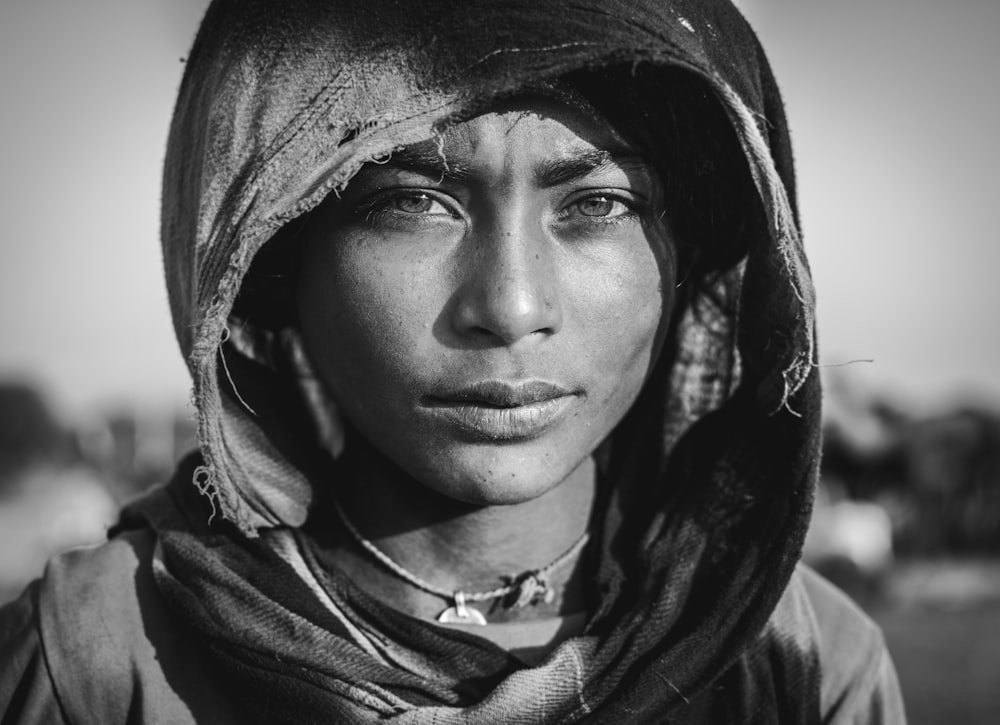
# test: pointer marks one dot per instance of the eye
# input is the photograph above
(602, 206)
(404, 206)
(416, 202)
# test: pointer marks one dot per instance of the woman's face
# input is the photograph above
(485, 306)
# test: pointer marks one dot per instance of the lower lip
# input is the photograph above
(489, 423)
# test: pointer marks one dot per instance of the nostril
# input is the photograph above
(506, 319)
(479, 331)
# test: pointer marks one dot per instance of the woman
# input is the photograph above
(502, 343)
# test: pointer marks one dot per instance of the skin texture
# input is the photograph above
(526, 249)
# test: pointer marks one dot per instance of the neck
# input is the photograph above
(456, 545)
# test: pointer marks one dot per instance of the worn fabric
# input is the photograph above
(283, 102)
(705, 487)
(153, 669)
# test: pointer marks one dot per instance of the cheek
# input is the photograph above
(362, 314)
(627, 307)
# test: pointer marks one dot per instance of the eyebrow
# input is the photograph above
(571, 168)
(427, 159)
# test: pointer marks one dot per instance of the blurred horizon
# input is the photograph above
(890, 106)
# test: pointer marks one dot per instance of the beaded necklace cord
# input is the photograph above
(532, 586)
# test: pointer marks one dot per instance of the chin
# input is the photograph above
(493, 478)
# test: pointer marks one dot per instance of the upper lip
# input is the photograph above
(501, 394)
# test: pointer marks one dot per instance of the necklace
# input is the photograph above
(532, 586)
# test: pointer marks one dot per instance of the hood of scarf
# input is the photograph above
(711, 474)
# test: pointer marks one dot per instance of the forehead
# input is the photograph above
(521, 133)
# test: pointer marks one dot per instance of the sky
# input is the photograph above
(892, 106)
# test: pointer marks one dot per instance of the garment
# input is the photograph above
(706, 485)
(154, 672)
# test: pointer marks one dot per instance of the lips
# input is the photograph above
(499, 411)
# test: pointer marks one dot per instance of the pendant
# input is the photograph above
(462, 614)
(532, 589)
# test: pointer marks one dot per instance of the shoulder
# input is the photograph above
(95, 608)
(110, 649)
(89, 604)
(858, 680)
(63, 629)
(26, 692)
(104, 583)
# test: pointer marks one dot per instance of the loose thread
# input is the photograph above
(206, 487)
(844, 364)
(673, 687)
(225, 366)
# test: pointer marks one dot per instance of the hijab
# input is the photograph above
(706, 485)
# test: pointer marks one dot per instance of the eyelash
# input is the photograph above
(631, 208)
(385, 206)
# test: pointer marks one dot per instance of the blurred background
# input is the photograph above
(892, 106)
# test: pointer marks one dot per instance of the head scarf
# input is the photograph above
(708, 480)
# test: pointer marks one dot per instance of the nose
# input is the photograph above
(510, 290)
